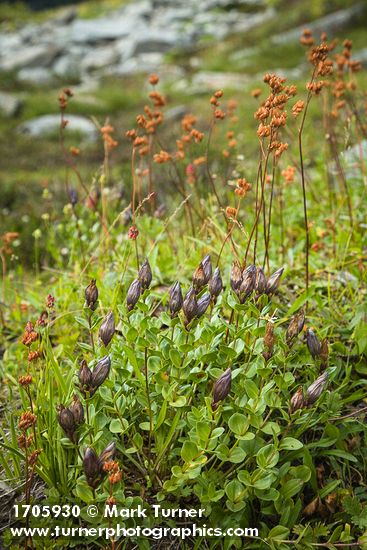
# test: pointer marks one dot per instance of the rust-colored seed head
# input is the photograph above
(216, 283)
(203, 304)
(297, 401)
(145, 275)
(295, 326)
(190, 305)
(91, 294)
(27, 420)
(175, 299)
(222, 387)
(133, 294)
(313, 343)
(107, 329)
(316, 389)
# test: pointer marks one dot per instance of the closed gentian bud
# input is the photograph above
(260, 281)
(324, 353)
(198, 277)
(273, 281)
(108, 453)
(91, 294)
(297, 401)
(107, 328)
(313, 343)
(175, 299)
(215, 283)
(133, 294)
(66, 420)
(77, 410)
(221, 388)
(269, 340)
(248, 282)
(91, 468)
(203, 304)
(236, 276)
(316, 388)
(73, 196)
(101, 371)
(85, 376)
(207, 266)
(295, 326)
(190, 305)
(145, 275)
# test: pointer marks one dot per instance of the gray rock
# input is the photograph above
(10, 105)
(155, 40)
(176, 113)
(103, 28)
(143, 63)
(70, 64)
(100, 58)
(48, 124)
(32, 56)
(330, 23)
(36, 75)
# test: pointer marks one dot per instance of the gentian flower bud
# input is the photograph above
(273, 281)
(236, 276)
(297, 401)
(91, 294)
(133, 294)
(198, 277)
(207, 267)
(313, 343)
(221, 388)
(215, 283)
(203, 304)
(145, 275)
(92, 468)
(85, 377)
(108, 453)
(295, 326)
(315, 390)
(248, 283)
(260, 281)
(190, 305)
(107, 328)
(101, 371)
(175, 299)
(77, 410)
(66, 420)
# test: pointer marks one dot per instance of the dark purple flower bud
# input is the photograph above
(236, 276)
(215, 283)
(198, 277)
(145, 275)
(207, 267)
(297, 401)
(315, 390)
(133, 294)
(273, 281)
(108, 453)
(313, 343)
(91, 294)
(77, 410)
(107, 328)
(66, 420)
(175, 299)
(260, 281)
(85, 376)
(203, 304)
(190, 305)
(295, 326)
(73, 196)
(248, 283)
(101, 371)
(91, 468)
(221, 388)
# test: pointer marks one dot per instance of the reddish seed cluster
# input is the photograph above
(106, 132)
(25, 380)
(133, 233)
(162, 157)
(27, 420)
(243, 186)
(30, 335)
(112, 468)
(289, 174)
(214, 101)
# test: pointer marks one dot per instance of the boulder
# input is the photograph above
(49, 124)
(31, 56)
(10, 105)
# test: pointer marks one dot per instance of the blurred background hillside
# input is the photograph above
(103, 50)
